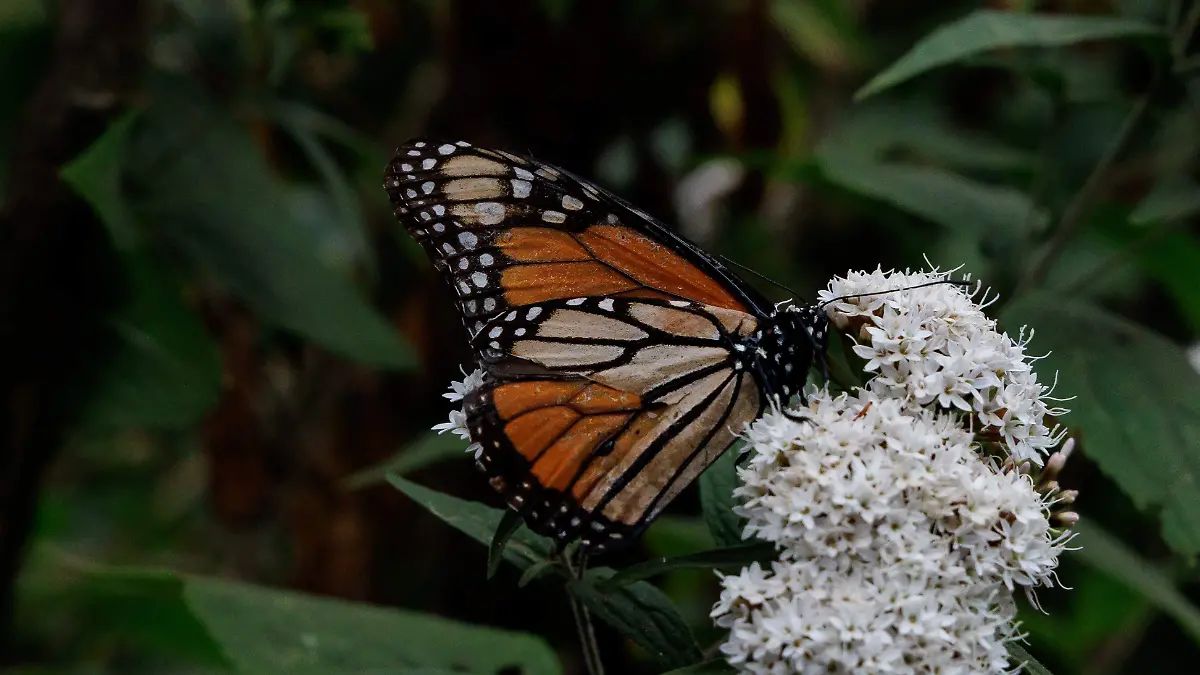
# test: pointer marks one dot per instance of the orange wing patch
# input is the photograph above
(559, 465)
(654, 265)
(558, 425)
(518, 398)
(540, 244)
(528, 284)
(534, 431)
(586, 398)
(602, 260)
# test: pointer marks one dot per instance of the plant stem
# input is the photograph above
(583, 620)
(1184, 31)
(1073, 214)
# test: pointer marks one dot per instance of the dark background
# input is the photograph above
(214, 322)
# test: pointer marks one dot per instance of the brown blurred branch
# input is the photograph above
(53, 258)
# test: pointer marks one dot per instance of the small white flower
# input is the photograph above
(458, 419)
(899, 545)
(935, 346)
(470, 382)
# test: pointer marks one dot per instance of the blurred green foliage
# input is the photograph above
(279, 346)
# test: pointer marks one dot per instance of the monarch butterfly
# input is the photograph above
(619, 359)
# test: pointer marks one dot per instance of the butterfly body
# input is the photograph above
(619, 359)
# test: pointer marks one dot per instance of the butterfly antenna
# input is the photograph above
(954, 282)
(760, 275)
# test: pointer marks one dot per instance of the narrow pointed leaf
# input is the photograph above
(936, 195)
(479, 522)
(733, 557)
(986, 30)
(510, 522)
(207, 189)
(537, 571)
(430, 449)
(96, 175)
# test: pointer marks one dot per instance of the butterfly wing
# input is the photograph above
(596, 412)
(607, 341)
(506, 231)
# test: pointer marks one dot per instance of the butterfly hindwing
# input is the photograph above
(596, 412)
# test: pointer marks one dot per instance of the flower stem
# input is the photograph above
(583, 619)
(1073, 215)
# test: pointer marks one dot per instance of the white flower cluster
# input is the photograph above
(458, 419)
(899, 546)
(899, 542)
(935, 346)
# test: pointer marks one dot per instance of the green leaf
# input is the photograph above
(1019, 655)
(1137, 405)
(329, 128)
(430, 449)
(716, 498)
(1171, 200)
(146, 608)
(986, 30)
(887, 128)
(1169, 257)
(671, 535)
(1105, 552)
(349, 225)
(734, 557)
(96, 175)
(642, 613)
(208, 189)
(1096, 608)
(478, 522)
(264, 631)
(713, 667)
(537, 571)
(936, 195)
(165, 370)
(510, 522)
(271, 631)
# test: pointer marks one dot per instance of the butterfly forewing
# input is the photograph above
(508, 232)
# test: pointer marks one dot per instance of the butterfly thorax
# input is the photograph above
(785, 346)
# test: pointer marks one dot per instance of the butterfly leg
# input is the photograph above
(775, 396)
